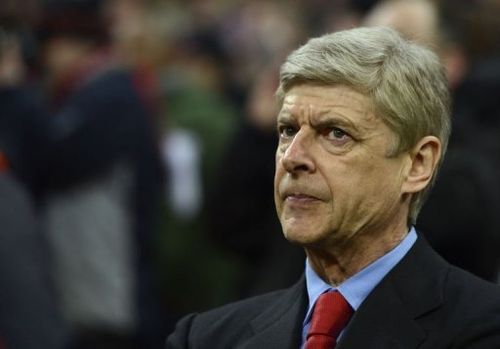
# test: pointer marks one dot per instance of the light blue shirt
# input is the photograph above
(357, 287)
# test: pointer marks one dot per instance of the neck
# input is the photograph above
(338, 262)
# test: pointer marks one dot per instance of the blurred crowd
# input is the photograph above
(137, 156)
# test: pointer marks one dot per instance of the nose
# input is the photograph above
(297, 156)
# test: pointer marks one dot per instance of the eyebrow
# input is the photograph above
(285, 118)
(324, 119)
(333, 120)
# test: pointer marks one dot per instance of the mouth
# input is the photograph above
(297, 198)
(300, 196)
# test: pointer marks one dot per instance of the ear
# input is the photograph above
(424, 158)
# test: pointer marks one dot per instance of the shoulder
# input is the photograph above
(472, 306)
(472, 293)
(451, 305)
(108, 81)
(468, 313)
(224, 323)
(454, 286)
(232, 324)
(245, 309)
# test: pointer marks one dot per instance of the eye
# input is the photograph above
(286, 131)
(336, 134)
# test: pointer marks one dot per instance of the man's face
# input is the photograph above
(334, 180)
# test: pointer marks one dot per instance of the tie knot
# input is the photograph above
(331, 314)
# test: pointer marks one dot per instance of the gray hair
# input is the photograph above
(406, 83)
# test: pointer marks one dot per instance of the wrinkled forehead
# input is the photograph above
(321, 101)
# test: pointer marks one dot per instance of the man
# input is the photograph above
(363, 125)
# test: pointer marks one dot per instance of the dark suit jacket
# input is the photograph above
(424, 302)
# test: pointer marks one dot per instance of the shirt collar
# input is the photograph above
(358, 287)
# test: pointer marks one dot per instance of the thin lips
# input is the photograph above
(298, 193)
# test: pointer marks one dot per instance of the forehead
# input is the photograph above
(317, 102)
(321, 98)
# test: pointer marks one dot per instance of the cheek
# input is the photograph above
(350, 185)
(373, 189)
(277, 201)
(278, 174)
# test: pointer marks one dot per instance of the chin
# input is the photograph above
(302, 237)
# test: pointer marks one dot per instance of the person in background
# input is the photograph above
(468, 192)
(29, 316)
(363, 127)
(466, 196)
(102, 182)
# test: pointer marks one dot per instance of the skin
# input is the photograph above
(63, 56)
(337, 192)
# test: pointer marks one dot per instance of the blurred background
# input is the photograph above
(137, 146)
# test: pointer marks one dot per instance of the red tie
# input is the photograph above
(331, 314)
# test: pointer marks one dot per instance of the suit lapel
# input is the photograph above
(382, 322)
(388, 318)
(280, 326)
